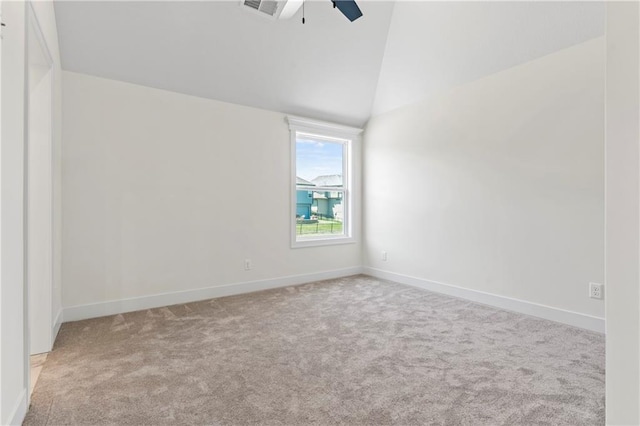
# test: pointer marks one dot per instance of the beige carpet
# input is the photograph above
(351, 351)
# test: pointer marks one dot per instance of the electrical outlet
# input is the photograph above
(247, 264)
(384, 256)
(596, 291)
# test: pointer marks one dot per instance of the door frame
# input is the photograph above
(33, 28)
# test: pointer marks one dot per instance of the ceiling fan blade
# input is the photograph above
(349, 8)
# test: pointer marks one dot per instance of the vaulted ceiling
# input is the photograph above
(328, 68)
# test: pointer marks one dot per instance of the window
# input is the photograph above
(322, 182)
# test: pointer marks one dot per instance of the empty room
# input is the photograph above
(290, 212)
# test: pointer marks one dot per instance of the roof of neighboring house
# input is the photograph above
(328, 180)
(300, 181)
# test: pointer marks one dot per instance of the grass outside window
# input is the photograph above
(320, 227)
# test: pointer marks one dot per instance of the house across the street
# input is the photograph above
(319, 204)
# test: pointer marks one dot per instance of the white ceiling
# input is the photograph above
(327, 69)
(433, 46)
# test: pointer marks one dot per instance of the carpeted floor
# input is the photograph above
(351, 351)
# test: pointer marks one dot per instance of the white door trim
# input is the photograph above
(45, 289)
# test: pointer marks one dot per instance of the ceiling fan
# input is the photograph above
(349, 8)
(285, 9)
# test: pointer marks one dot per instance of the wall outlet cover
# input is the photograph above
(596, 291)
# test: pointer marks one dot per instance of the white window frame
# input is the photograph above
(330, 132)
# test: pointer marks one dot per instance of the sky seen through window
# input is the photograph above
(317, 158)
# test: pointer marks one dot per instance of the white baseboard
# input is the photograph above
(56, 327)
(20, 411)
(94, 310)
(80, 312)
(529, 308)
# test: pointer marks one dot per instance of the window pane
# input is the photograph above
(319, 212)
(318, 163)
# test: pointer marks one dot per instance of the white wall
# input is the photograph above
(164, 192)
(623, 213)
(13, 353)
(497, 185)
(46, 18)
(39, 200)
(44, 172)
(13, 350)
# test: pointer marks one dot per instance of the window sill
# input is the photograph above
(318, 242)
